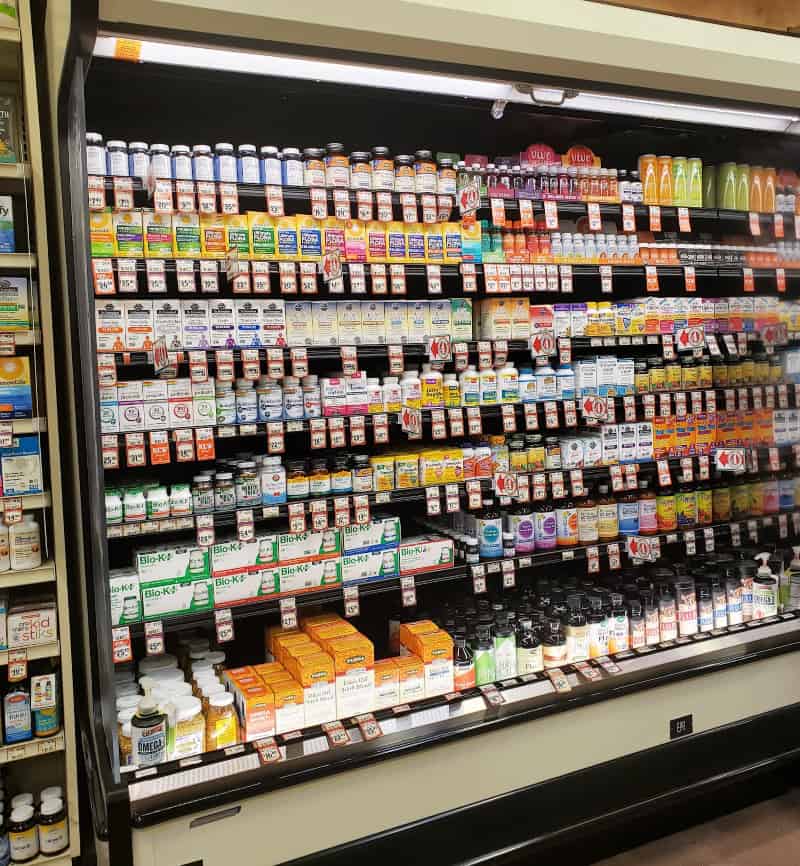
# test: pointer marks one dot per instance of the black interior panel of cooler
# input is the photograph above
(189, 106)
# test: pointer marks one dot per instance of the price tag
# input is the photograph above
(361, 509)
(651, 278)
(288, 607)
(408, 202)
(209, 277)
(156, 277)
(593, 559)
(539, 278)
(629, 408)
(557, 489)
(479, 579)
(121, 649)
(336, 734)
(162, 196)
(551, 415)
(456, 419)
(614, 556)
(154, 638)
(288, 277)
(551, 215)
(97, 193)
(752, 530)
(505, 484)
(527, 278)
(127, 277)
(778, 225)
(398, 279)
(384, 203)
(438, 424)
(452, 498)
(606, 279)
(649, 406)
(628, 218)
(615, 473)
(565, 274)
(223, 623)
(755, 224)
(439, 349)
(395, 354)
(749, 285)
(680, 404)
(774, 460)
(319, 203)
(474, 497)
(474, 422)
(690, 279)
(17, 665)
(134, 450)
(736, 535)
(508, 569)
(783, 396)
(564, 350)
(358, 279)
(341, 511)
(665, 404)
(206, 197)
(526, 213)
(531, 417)
(631, 480)
(185, 276)
(523, 488)
(336, 432)
(297, 517)
(408, 590)
(498, 206)
(769, 396)
(687, 470)
(229, 199)
(434, 502)
(703, 467)
(500, 353)
(492, 696)
(364, 205)
(683, 220)
(593, 212)
(744, 399)
(484, 355)
(429, 208)
(184, 195)
(539, 487)
(184, 446)
(159, 447)
(469, 280)
(318, 508)
(110, 452)
(576, 482)
(103, 277)
(378, 276)
(509, 419)
(274, 196)
(358, 433)
(341, 204)
(783, 526)
(655, 218)
(664, 476)
(349, 360)
(205, 529)
(308, 278)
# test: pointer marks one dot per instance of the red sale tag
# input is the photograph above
(606, 279)
(628, 218)
(749, 285)
(498, 212)
(780, 278)
(274, 196)
(690, 279)
(651, 275)
(526, 213)
(121, 649)
(683, 220)
(778, 225)
(551, 215)
(755, 224)
(341, 204)
(159, 447)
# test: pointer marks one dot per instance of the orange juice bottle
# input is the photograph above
(756, 188)
(768, 190)
(665, 180)
(648, 172)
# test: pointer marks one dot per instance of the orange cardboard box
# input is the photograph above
(387, 684)
(286, 640)
(436, 652)
(257, 712)
(409, 630)
(289, 711)
(324, 634)
(270, 633)
(354, 661)
(316, 675)
(276, 677)
(663, 436)
(266, 668)
(411, 678)
(319, 619)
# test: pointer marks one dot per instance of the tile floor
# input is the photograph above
(766, 834)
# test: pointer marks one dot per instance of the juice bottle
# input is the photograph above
(756, 189)
(680, 181)
(566, 524)
(665, 191)
(710, 186)
(648, 171)
(726, 186)
(695, 181)
(666, 517)
(768, 190)
(743, 187)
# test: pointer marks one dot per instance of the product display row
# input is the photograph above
(324, 669)
(31, 827)
(137, 325)
(537, 172)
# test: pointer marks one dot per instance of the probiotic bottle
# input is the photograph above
(508, 384)
(488, 387)
(470, 387)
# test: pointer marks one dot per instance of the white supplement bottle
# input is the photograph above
(25, 544)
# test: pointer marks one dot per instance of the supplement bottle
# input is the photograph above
(577, 631)
(25, 544)
(202, 163)
(686, 599)
(488, 394)
(463, 664)
(667, 614)
(225, 163)
(544, 524)
(118, 163)
(546, 384)
(160, 163)
(96, 161)
(619, 628)
(148, 734)
(139, 165)
(411, 389)
(566, 524)
(588, 529)
(484, 656)
(530, 655)
(432, 393)
(181, 162)
(686, 507)
(53, 829)
(505, 648)
(249, 170)
(648, 520)
(607, 515)
(705, 608)
(469, 382)
(520, 522)
(555, 646)
(628, 513)
(23, 835)
(490, 531)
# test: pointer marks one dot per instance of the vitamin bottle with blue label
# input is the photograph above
(490, 531)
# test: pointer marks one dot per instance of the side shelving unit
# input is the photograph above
(41, 761)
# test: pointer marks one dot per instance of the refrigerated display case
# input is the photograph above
(211, 514)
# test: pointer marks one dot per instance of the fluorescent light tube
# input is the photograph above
(365, 75)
